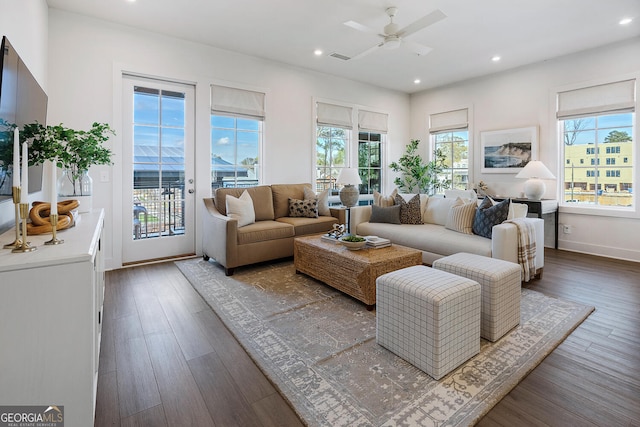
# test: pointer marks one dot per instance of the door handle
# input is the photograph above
(191, 191)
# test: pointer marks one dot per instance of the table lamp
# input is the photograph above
(535, 171)
(349, 194)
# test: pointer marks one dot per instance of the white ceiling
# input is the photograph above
(288, 31)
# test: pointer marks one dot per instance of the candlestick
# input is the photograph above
(54, 190)
(16, 158)
(24, 247)
(53, 218)
(25, 175)
(15, 192)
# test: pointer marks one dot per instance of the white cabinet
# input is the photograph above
(51, 320)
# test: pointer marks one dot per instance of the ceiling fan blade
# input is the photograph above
(367, 52)
(421, 23)
(357, 26)
(416, 48)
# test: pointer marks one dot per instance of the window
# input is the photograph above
(235, 148)
(334, 150)
(372, 134)
(236, 136)
(450, 135)
(331, 143)
(598, 121)
(599, 130)
(370, 161)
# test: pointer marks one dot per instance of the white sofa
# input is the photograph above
(435, 241)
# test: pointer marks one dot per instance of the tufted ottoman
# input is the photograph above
(501, 288)
(428, 317)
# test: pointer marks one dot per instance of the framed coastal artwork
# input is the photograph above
(509, 150)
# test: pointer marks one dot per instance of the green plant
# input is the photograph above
(73, 150)
(420, 177)
(352, 238)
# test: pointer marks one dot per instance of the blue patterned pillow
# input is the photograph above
(488, 215)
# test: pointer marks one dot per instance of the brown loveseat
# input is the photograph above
(270, 237)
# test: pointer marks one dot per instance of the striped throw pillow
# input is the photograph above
(461, 215)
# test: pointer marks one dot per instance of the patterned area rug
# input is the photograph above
(318, 347)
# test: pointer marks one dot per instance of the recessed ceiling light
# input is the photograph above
(317, 52)
(496, 58)
(416, 81)
(625, 21)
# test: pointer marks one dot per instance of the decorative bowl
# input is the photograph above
(353, 243)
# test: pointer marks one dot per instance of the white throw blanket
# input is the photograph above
(526, 247)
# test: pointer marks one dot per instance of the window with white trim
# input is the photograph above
(334, 135)
(449, 133)
(597, 128)
(372, 135)
(237, 116)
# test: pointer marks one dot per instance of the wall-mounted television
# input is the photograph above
(22, 101)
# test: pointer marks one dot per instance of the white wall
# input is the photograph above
(88, 55)
(25, 24)
(524, 97)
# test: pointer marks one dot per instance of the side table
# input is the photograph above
(539, 207)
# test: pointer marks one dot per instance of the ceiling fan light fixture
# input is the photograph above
(392, 42)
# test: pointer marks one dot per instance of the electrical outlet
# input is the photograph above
(566, 229)
(104, 176)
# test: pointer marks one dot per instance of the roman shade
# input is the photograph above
(237, 102)
(369, 121)
(614, 97)
(334, 115)
(449, 120)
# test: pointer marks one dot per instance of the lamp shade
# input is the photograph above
(349, 176)
(535, 171)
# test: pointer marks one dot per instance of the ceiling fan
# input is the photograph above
(393, 37)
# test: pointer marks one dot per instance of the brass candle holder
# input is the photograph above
(15, 192)
(53, 218)
(24, 246)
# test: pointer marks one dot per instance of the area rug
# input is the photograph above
(318, 347)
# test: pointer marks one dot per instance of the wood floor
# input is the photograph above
(167, 359)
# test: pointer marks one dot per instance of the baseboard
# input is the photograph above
(600, 250)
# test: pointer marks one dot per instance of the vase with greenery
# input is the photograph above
(73, 150)
(418, 176)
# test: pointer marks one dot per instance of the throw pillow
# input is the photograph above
(461, 216)
(409, 211)
(384, 201)
(389, 214)
(323, 200)
(241, 208)
(488, 215)
(303, 208)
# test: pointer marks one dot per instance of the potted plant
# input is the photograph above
(73, 150)
(417, 176)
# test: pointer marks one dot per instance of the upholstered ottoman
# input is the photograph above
(428, 317)
(501, 288)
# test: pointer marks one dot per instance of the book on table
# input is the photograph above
(377, 242)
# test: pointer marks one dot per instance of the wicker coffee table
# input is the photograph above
(352, 272)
